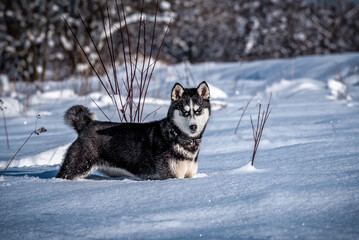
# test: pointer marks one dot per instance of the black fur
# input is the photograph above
(142, 149)
(78, 117)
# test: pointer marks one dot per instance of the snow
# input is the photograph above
(50, 157)
(217, 92)
(304, 183)
(165, 5)
(66, 43)
(13, 107)
(4, 84)
(65, 93)
(289, 88)
(248, 168)
(337, 89)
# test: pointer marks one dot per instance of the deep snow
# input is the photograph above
(305, 183)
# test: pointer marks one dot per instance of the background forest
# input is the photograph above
(35, 44)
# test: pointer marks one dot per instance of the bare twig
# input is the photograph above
(154, 111)
(101, 110)
(87, 57)
(38, 116)
(128, 110)
(37, 132)
(244, 110)
(189, 74)
(3, 114)
(335, 131)
(153, 68)
(261, 121)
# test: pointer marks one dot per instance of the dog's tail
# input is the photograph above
(78, 117)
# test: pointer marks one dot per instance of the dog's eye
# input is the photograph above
(185, 113)
(199, 111)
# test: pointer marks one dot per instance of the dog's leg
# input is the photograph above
(192, 169)
(79, 162)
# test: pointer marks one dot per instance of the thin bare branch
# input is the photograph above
(258, 131)
(154, 65)
(87, 58)
(128, 110)
(95, 46)
(151, 113)
(5, 126)
(101, 110)
(244, 110)
(37, 132)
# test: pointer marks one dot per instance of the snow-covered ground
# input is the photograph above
(305, 183)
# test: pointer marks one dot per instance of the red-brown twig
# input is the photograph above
(37, 132)
(244, 110)
(261, 121)
(128, 110)
(101, 110)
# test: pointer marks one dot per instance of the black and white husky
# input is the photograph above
(162, 149)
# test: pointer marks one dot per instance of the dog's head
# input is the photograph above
(190, 109)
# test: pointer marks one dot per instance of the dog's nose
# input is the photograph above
(193, 128)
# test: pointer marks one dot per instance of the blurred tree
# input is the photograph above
(35, 44)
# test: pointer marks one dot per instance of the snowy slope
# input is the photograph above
(305, 183)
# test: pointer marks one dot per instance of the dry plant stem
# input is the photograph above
(37, 132)
(115, 90)
(101, 60)
(151, 113)
(153, 68)
(261, 121)
(87, 58)
(133, 71)
(335, 131)
(111, 51)
(7, 136)
(101, 110)
(127, 83)
(128, 110)
(244, 110)
(189, 74)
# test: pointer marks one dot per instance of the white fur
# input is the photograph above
(195, 107)
(178, 148)
(94, 168)
(191, 107)
(183, 169)
(115, 172)
(93, 116)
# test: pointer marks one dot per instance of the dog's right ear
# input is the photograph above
(177, 92)
(203, 90)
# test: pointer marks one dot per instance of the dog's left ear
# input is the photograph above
(177, 92)
(203, 90)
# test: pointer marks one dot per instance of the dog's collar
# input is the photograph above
(184, 141)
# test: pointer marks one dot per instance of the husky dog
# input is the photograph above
(162, 149)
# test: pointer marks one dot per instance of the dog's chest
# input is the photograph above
(186, 166)
(183, 168)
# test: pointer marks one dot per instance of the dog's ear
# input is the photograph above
(177, 92)
(203, 90)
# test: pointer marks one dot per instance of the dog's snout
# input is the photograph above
(193, 127)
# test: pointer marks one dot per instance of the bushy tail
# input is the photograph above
(78, 117)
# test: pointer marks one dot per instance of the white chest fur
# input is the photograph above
(186, 154)
(184, 168)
